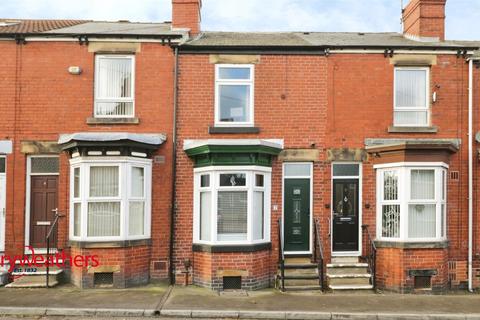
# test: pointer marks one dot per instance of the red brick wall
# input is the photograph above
(332, 102)
(41, 100)
(186, 14)
(425, 18)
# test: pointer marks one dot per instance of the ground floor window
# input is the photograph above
(411, 202)
(232, 205)
(110, 199)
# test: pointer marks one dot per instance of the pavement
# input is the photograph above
(66, 302)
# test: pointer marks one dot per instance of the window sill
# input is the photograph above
(113, 121)
(233, 130)
(394, 129)
(440, 244)
(231, 248)
(110, 244)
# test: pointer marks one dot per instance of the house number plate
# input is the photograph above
(296, 192)
(296, 231)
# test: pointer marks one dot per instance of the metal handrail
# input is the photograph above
(49, 235)
(371, 255)
(281, 256)
(319, 259)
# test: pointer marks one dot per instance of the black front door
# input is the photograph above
(345, 215)
(297, 215)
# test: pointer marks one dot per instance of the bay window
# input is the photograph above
(114, 86)
(232, 206)
(110, 199)
(411, 106)
(411, 202)
(234, 95)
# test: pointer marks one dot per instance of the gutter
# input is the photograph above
(470, 175)
(174, 171)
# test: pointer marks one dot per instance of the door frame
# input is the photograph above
(360, 208)
(2, 217)
(28, 194)
(311, 206)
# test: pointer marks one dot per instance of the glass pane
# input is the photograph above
(233, 180)
(76, 182)
(444, 184)
(2, 165)
(138, 182)
(103, 181)
(205, 216)
(390, 185)
(103, 219)
(410, 88)
(391, 221)
(293, 170)
(114, 78)
(136, 219)
(259, 180)
(114, 109)
(234, 73)
(411, 118)
(346, 170)
(421, 221)
(234, 103)
(422, 184)
(77, 219)
(44, 165)
(442, 225)
(232, 216)
(258, 215)
(205, 181)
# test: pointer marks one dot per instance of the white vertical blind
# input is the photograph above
(77, 219)
(114, 93)
(258, 215)
(138, 182)
(411, 103)
(104, 181)
(422, 221)
(422, 184)
(103, 219)
(232, 215)
(205, 215)
(136, 219)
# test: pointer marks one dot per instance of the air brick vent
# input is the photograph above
(423, 282)
(232, 283)
(103, 279)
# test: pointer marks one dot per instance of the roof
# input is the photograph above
(35, 26)
(317, 39)
(87, 27)
(152, 139)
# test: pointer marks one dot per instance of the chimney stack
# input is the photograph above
(424, 18)
(186, 14)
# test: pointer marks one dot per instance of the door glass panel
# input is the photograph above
(297, 170)
(345, 170)
(44, 165)
(297, 211)
(346, 199)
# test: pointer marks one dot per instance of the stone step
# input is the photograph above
(341, 260)
(298, 260)
(303, 288)
(352, 288)
(300, 272)
(32, 282)
(347, 270)
(347, 265)
(37, 272)
(301, 282)
(358, 280)
(300, 266)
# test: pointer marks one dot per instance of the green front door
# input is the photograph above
(297, 215)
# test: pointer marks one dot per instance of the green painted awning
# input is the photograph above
(233, 152)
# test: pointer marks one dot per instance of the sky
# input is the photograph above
(463, 16)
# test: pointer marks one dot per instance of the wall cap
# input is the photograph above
(394, 129)
(113, 120)
(235, 248)
(411, 245)
(110, 244)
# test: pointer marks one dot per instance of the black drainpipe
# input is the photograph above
(174, 170)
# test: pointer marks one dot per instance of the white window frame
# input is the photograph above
(404, 198)
(427, 97)
(214, 188)
(113, 99)
(250, 82)
(125, 165)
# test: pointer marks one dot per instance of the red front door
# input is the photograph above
(43, 202)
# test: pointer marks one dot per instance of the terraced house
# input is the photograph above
(296, 160)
